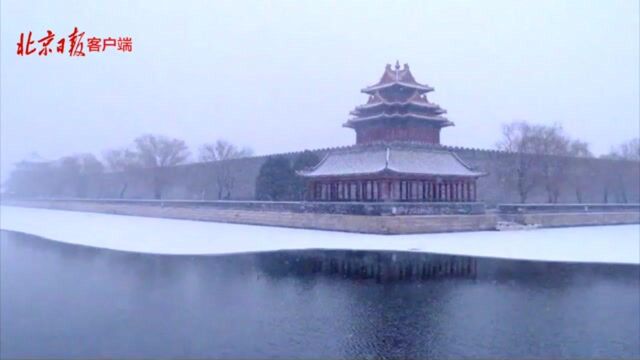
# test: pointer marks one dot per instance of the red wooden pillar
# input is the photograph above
(365, 193)
(425, 190)
(334, 190)
(431, 185)
(452, 191)
(474, 195)
(452, 197)
(432, 191)
(455, 191)
(465, 193)
(384, 190)
(443, 194)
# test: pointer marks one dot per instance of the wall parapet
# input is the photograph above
(370, 224)
(565, 208)
(344, 208)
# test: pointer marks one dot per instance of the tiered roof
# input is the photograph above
(398, 96)
(390, 158)
(397, 77)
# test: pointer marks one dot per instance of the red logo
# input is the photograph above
(73, 44)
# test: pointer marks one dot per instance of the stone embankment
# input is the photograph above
(373, 218)
(556, 215)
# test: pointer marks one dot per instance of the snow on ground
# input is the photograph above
(610, 244)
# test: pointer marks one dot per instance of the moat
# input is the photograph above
(61, 300)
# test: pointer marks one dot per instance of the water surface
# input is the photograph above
(59, 300)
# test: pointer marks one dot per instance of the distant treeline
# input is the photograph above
(539, 158)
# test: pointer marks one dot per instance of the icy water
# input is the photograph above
(66, 301)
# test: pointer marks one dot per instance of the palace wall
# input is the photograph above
(586, 180)
(591, 180)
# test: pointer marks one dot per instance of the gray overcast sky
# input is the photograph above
(283, 75)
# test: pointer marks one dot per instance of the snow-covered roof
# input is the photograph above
(399, 103)
(400, 160)
(416, 99)
(397, 115)
(397, 77)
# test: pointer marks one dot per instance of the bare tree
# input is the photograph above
(579, 149)
(157, 153)
(551, 147)
(118, 160)
(68, 173)
(542, 155)
(580, 172)
(221, 151)
(520, 172)
(626, 151)
(615, 181)
(123, 161)
(90, 166)
(71, 174)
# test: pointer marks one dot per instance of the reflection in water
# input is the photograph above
(61, 300)
(383, 266)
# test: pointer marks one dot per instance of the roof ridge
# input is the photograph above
(386, 163)
(303, 171)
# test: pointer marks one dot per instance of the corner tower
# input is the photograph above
(397, 110)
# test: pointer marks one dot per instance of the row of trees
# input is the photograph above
(151, 151)
(157, 152)
(539, 159)
(541, 155)
(35, 177)
(152, 154)
(626, 151)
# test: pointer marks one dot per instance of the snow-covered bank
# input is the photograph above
(611, 244)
